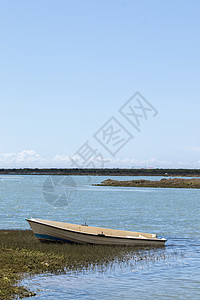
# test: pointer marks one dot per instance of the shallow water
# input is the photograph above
(171, 272)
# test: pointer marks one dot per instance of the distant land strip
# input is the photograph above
(102, 172)
(193, 183)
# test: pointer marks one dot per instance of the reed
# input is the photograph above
(21, 254)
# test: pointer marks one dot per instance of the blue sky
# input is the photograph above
(67, 67)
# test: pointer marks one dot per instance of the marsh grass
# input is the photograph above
(191, 183)
(21, 254)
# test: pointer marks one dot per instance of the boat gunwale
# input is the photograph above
(162, 240)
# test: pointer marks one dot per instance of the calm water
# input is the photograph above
(171, 272)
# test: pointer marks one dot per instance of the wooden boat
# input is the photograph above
(46, 230)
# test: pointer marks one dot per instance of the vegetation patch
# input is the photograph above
(21, 254)
(104, 172)
(163, 183)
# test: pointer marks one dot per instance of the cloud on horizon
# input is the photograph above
(31, 159)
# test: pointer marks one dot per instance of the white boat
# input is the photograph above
(46, 230)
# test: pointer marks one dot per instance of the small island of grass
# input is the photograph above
(163, 183)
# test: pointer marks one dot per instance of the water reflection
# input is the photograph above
(102, 268)
(169, 272)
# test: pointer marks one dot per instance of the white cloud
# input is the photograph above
(31, 159)
(20, 159)
(151, 162)
(61, 159)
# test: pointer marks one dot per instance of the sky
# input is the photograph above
(100, 83)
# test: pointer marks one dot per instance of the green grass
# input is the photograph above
(21, 254)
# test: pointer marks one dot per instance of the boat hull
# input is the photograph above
(46, 230)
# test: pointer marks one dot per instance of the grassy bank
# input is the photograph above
(163, 183)
(21, 254)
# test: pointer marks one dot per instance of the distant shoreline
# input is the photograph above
(193, 183)
(103, 172)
